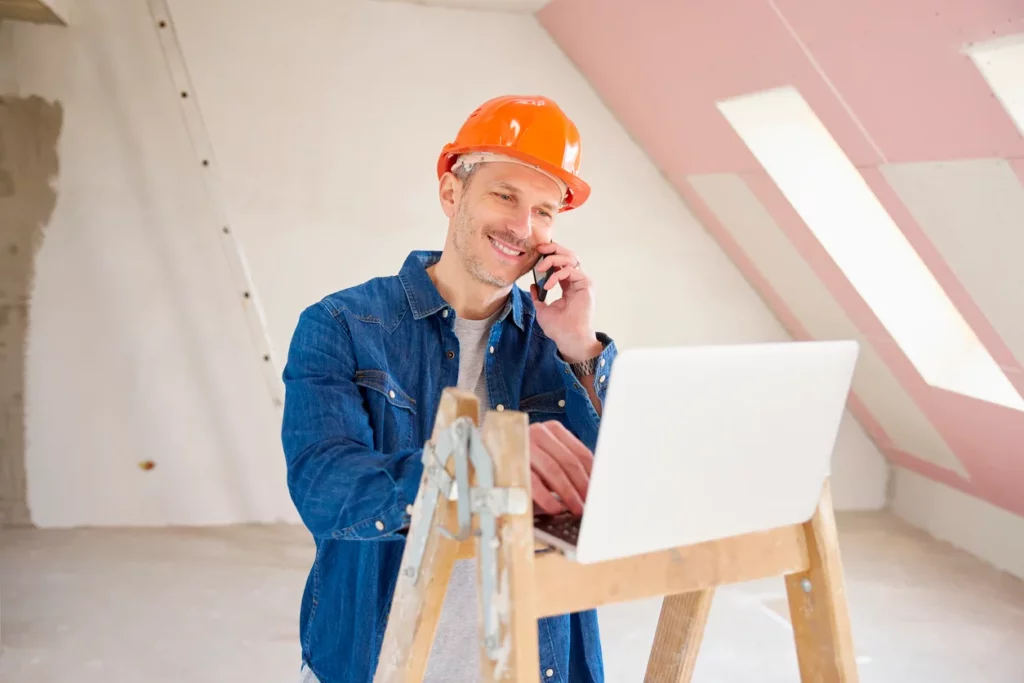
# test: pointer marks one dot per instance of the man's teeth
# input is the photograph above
(505, 250)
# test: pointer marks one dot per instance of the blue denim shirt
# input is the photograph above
(364, 376)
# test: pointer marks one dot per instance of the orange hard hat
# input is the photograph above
(532, 130)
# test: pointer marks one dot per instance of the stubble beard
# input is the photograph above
(463, 238)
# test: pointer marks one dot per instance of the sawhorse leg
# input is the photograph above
(505, 435)
(509, 652)
(677, 640)
(817, 606)
(416, 606)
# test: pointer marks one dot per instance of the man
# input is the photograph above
(367, 366)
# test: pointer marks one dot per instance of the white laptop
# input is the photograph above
(705, 442)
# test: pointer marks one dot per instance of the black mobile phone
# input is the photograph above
(541, 279)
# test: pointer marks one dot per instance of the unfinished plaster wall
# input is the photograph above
(29, 131)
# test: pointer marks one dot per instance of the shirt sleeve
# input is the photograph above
(583, 419)
(341, 487)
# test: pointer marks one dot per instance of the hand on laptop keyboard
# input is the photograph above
(560, 465)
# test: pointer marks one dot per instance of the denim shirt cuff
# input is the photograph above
(391, 523)
(601, 374)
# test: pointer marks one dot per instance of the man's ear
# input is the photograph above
(449, 192)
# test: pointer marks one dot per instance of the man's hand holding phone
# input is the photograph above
(569, 321)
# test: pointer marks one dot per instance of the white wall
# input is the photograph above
(969, 523)
(326, 118)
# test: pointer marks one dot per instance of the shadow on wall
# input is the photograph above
(29, 130)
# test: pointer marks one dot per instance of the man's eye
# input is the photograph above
(503, 197)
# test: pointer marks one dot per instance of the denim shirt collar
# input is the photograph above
(425, 300)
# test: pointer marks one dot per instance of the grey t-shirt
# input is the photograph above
(455, 656)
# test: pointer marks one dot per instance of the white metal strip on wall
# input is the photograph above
(205, 161)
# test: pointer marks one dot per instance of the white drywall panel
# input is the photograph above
(789, 274)
(973, 212)
(137, 349)
(982, 529)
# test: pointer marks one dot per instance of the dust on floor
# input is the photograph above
(214, 605)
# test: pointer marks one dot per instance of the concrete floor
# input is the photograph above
(217, 605)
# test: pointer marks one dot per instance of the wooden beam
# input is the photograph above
(817, 604)
(677, 641)
(507, 438)
(416, 608)
(564, 586)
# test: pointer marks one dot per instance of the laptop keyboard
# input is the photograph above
(565, 526)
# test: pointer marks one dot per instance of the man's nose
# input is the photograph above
(521, 224)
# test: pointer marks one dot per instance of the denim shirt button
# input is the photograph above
(379, 524)
(549, 673)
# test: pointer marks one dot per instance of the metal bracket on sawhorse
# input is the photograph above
(462, 442)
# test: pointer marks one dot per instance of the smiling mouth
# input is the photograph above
(505, 249)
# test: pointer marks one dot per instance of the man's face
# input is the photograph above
(504, 212)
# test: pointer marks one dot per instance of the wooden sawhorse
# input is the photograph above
(516, 586)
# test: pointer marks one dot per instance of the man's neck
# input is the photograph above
(471, 299)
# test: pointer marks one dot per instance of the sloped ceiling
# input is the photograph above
(893, 85)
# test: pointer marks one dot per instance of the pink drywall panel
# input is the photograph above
(952, 286)
(794, 326)
(901, 68)
(985, 437)
(661, 66)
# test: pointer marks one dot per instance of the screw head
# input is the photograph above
(806, 585)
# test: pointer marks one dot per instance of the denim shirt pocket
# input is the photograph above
(392, 411)
(549, 405)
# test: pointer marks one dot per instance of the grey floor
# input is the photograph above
(219, 605)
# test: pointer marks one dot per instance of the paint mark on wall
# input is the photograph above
(29, 130)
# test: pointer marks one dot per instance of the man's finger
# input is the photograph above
(542, 498)
(567, 460)
(569, 440)
(570, 274)
(558, 260)
(554, 478)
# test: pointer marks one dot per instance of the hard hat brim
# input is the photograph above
(577, 193)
